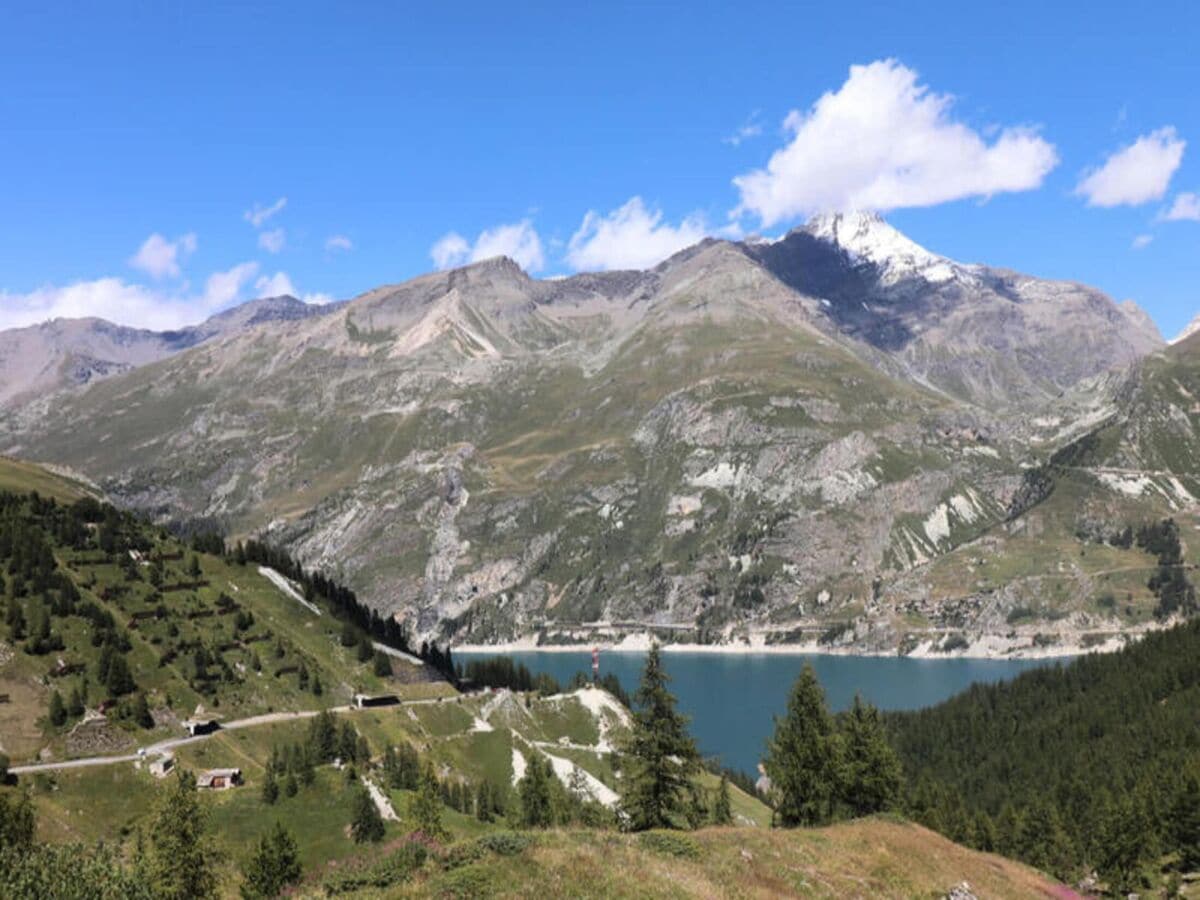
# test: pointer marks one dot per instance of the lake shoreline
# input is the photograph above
(985, 647)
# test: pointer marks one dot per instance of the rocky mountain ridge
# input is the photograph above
(826, 438)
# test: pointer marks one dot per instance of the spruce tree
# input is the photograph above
(1185, 824)
(75, 705)
(722, 812)
(141, 712)
(661, 756)
(180, 865)
(803, 757)
(270, 787)
(534, 793)
(366, 825)
(871, 774)
(425, 806)
(274, 866)
(58, 710)
(483, 802)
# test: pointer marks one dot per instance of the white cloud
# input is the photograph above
(159, 258)
(280, 283)
(450, 250)
(1185, 208)
(275, 286)
(519, 241)
(1142, 241)
(630, 237)
(258, 214)
(336, 242)
(882, 141)
(1134, 174)
(127, 304)
(751, 128)
(272, 241)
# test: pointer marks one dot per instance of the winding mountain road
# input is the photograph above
(163, 748)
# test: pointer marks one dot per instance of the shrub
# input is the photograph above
(668, 843)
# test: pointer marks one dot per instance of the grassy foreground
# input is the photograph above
(877, 857)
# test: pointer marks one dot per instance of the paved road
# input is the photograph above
(162, 748)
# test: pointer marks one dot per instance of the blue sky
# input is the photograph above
(137, 140)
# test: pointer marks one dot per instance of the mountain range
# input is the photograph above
(836, 437)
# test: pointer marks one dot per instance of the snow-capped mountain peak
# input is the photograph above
(867, 237)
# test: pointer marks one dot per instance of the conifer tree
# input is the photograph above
(17, 821)
(722, 813)
(270, 787)
(75, 705)
(274, 865)
(661, 756)
(180, 865)
(533, 790)
(483, 801)
(871, 774)
(366, 825)
(803, 757)
(425, 806)
(141, 712)
(1185, 824)
(58, 711)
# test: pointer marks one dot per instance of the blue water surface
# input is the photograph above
(732, 698)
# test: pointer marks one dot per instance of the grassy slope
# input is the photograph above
(867, 858)
(306, 638)
(22, 477)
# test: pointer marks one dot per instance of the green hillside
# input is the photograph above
(1089, 766)
(105, 612)
(22, 477)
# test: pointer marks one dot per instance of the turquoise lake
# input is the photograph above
(733, 697)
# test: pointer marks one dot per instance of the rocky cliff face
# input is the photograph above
(790, 441)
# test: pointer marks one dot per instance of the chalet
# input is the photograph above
(219, 779)
(198, 726)
(160, 767)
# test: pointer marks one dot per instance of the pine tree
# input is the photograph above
(722, 813)
(661, 756)
(274, 865)
(291, 786)
(1185, 824)
(270, 787)
(871, 773)
(533, 791)
(180, 865)
(75, 704)
(383, 664)
(483, 802)
(1123, 845)
(366, 825)
(58, 711)
(425, 806)
(141, 712)
(17, 821)
(803, 756)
